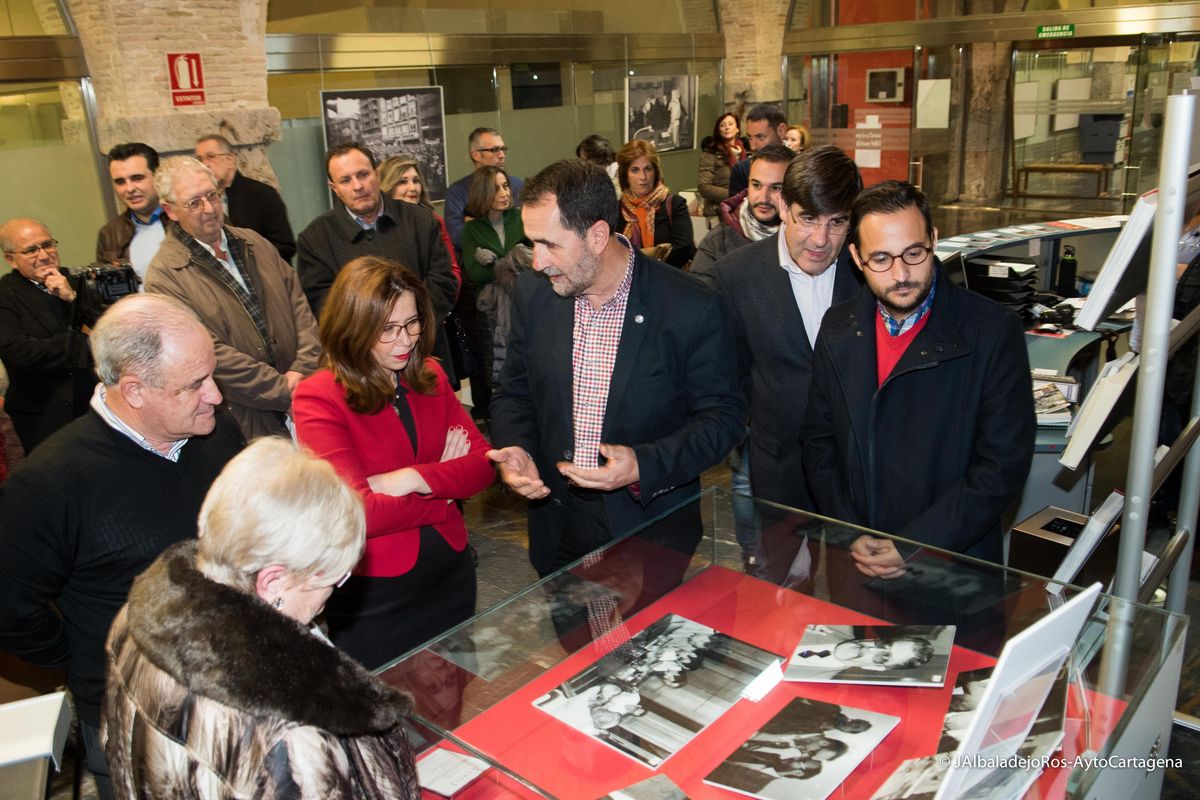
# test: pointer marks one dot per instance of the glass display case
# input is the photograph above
(640, 660)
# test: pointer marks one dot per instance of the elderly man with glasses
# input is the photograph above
(920, 418)
(247, 296)
(43, 335)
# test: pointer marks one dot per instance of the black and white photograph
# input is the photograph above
(661, 109)
(406, 122)
(909, 655)
(660, 787)
(651, 695)
(914, 779)
(806, 750)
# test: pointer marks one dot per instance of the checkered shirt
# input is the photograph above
(597, 336)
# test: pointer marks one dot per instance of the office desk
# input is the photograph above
(1050, 484)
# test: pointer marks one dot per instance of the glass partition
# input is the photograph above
(46, 149)
(640, 656)
(492, 16)
(817, 13)
(592, 101)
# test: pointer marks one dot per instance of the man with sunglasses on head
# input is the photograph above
(920, 419)
(43, 342)
(247, 296)
(486, 148)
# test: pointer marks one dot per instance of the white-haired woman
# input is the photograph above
(218, 685)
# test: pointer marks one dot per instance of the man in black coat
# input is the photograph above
(248, 203)
(102, 497)
(778, 289)
(620, 385)
(42, 342)
(364, 222)
(920, 419)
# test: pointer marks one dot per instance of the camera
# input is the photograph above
(106, 284)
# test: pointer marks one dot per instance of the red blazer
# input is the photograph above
(361, 445)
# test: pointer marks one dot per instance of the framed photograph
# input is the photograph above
(909, 655)
(408, 122)
(661, 109)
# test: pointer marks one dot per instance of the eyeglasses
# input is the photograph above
(913, 256)
(345, 578)
(493, 150)
(214, 156)
(391, 331)
(194, 204)
(838, 226)
(50, 246)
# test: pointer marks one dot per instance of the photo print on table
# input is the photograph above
(652, 695)
(911, 655)
(806, 750)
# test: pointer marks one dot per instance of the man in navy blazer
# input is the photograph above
(620, 385)
(920, 417)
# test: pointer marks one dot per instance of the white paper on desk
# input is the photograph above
(446, 773)
(933, 103)
(34, 728)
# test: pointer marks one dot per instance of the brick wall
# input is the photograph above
(753, 43)
(126, 45)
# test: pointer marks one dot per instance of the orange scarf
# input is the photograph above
(639, 212)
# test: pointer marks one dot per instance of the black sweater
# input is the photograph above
(79, 519)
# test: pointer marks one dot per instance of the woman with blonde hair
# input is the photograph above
(219, 685)
(400, 179)
(383, 413)
(656, 221)
(797, 138)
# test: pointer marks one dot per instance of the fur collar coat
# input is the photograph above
(213, 694)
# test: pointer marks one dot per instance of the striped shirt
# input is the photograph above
(597, 335)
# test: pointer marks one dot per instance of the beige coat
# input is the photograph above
(254, 387)
(214, 695)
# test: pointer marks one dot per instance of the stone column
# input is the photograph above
(126, 43)
(753, 46)
(988, 67)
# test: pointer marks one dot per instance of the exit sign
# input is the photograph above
(1056, 31)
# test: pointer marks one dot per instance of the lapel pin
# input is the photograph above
(639, 319)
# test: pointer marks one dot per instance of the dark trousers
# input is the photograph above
(479, 337)
(377, 620)
(97, 763)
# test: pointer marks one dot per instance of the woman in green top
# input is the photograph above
(494, 227)
(495, 251)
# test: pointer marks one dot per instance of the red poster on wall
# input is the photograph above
(187, 79)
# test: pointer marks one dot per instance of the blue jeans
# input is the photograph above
(745, 526)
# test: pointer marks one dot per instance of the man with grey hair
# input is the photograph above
(245, 294)
(43, 335)
(102, 497)
(248, 203)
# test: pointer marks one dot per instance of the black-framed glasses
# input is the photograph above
(213, 198)
(914, 256)
(50, 246)
(497, 150)
(391, 331)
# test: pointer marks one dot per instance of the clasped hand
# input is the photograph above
(406, 480)
(877, 558)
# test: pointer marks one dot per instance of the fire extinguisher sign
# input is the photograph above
(187, 79)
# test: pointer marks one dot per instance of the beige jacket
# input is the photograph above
(253, 386)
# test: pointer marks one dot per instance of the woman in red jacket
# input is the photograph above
(382, 412)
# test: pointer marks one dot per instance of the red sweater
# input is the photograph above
(361, 445)
(889, 349)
